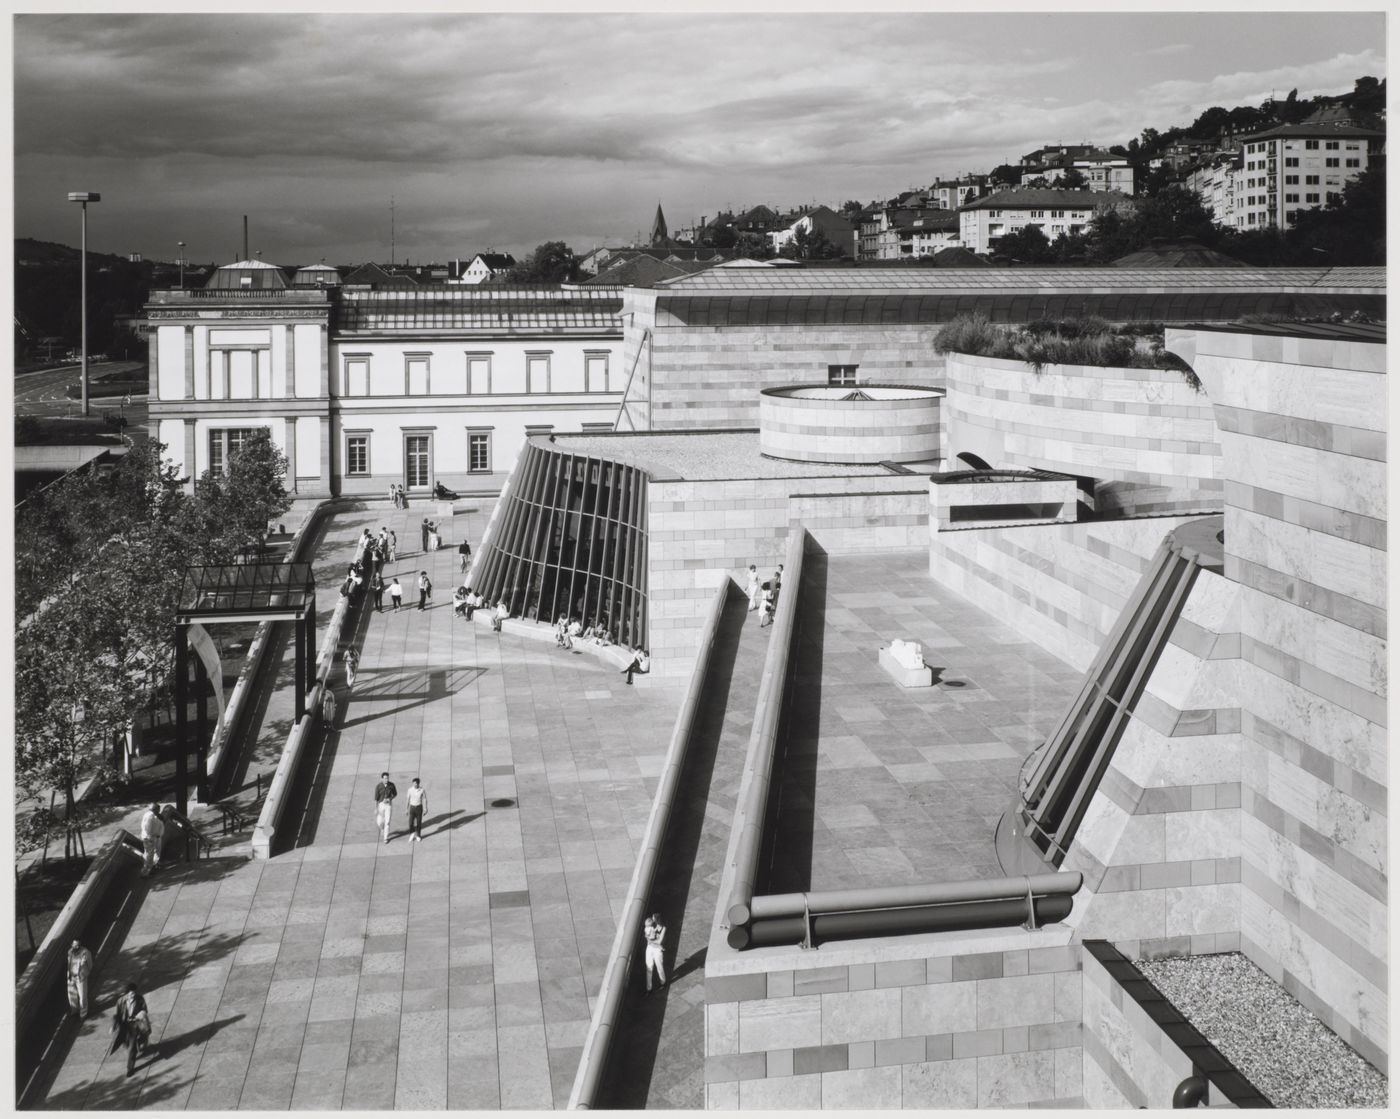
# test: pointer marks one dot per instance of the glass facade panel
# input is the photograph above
(571, 539)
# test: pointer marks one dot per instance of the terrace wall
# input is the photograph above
(1303, 436)
(988, 1019)
(1147, 436)
(700, 533)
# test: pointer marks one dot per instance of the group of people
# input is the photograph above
(398, 495)
(432, 541)
(763, 597)
(131, 1019)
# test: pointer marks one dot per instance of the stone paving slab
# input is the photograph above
(347, 973)
(881, 785)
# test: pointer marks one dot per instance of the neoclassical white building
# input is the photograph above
(362, 388)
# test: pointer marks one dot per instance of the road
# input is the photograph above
(40, 392)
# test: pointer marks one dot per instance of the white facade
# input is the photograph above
(364, 389)
(1299, 169)
(1099, 174)
(1215, 185)
(979, 228)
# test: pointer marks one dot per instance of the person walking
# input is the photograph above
(655, 933)
(79, 969)
(328, 706)
(376, 586)
(393, 546)
(752, 589)
(417, 803)
(464, 551)
(152, 832)
(395, 592)
(384, 794)
(423, 531)
(425, 590)
(131, 1025)
(765, 606)
(352, 665)
(403, 498)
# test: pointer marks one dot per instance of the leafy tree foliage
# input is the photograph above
(551, 263)
(1027, 245)
(1004, 175)
(1073, 179)
(103, 559)
(811, 245)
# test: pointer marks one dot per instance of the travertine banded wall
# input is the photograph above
(1146, 435)
(1303, 437)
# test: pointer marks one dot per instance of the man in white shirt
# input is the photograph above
(417, 804)
(152, 831)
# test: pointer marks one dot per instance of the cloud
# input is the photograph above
(519, 129)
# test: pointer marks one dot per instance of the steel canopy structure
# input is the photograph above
(238, 592)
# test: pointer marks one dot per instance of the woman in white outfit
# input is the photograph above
(752, 589)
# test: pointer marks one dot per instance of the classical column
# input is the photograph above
(290, 347)
(153, 361)
(291, 422)
(189, 362)
(191, 459)
(326, 456)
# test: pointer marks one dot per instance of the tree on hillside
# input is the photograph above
(551, 263)
(1027, 245)
(850, 208)
(1004, 175)
(811, 245)
(1073, 179)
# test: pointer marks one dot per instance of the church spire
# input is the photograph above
(660, 239)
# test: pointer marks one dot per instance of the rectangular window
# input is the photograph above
(479, 452)
(841, 374)
(536, 373)
(417, 454)
(1291, 161)
(1315, 198)
(1290, 180)
(356, 381)
(1353, 163)
(242, 369)
(1332, 145)
(357, 454)
(223, 442)
(1310, 145)
(1334, 161)
(478, 374)
(595, 372)
(1290, 198)
(416, 369)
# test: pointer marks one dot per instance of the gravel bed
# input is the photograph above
(1276, 1042)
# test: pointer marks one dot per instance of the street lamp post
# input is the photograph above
(84, 197)
(182, 264)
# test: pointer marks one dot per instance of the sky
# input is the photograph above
(502, 131)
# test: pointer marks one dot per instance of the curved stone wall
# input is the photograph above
(851, 423)
(1147, 437)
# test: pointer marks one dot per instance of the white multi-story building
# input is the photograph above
(1056, 212)
(1297, 167)
(1215, 182)
(363, 387)
(956, 193)
(1102, 170)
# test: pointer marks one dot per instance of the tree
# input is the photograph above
(811, 244)
(850, 208)
(1005, 175)
(1073, 179)
(1211, 122)
(551, 263)
(231, 512)
(1027, 245)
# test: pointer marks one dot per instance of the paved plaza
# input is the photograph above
(882, 785)
(459, 972)
(456, 972)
